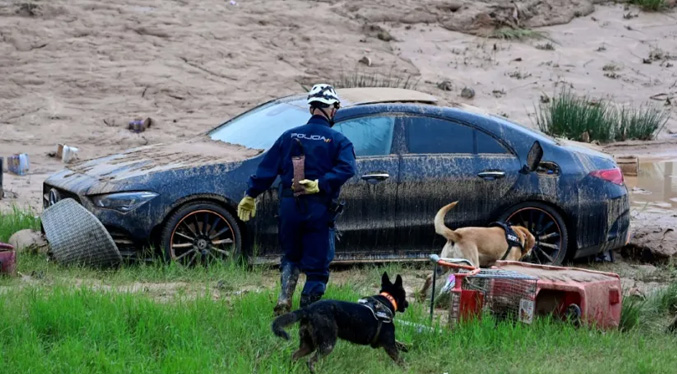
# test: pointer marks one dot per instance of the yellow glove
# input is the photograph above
(311, 187)
(247, 208)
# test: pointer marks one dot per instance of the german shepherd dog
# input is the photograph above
(369, 322)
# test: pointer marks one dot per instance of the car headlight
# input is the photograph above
(123, 201)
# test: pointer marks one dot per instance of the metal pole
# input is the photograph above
(2, 192)
(432, 296)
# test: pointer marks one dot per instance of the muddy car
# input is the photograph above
(413, 157)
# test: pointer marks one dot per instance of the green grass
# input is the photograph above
(510, 33)
(66, 330)
(73, 319)
(359, 79)
(577, 117)
(17, 220)
(650, 5)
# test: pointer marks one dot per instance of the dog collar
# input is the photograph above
(390, 298)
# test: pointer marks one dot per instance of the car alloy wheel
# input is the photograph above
(200, 234)
(547, 227)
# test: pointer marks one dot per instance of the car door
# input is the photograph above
(368, 224)
(498, 169)
(440, 164)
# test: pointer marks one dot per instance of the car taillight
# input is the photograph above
(610, 175)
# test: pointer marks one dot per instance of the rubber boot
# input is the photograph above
(288, 279)
(309, 299)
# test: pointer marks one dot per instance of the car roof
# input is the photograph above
(378, 95)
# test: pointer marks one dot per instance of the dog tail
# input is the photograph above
(285, 320)
(441, 228)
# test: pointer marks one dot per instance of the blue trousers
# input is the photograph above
(306, 234)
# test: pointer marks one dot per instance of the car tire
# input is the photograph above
(201, 232)
(547, 225)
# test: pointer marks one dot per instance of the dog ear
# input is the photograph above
(398, 281)
(384, 279)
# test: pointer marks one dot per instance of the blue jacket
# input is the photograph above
(330, 159)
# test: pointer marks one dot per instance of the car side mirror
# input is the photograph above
(534, 158)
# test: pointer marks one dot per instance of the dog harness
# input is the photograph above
(510, 237)
(380, 311)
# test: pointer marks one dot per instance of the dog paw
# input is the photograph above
(401, 346)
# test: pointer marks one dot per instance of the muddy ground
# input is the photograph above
(77, 71)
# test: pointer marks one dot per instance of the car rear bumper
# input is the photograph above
(612, 228)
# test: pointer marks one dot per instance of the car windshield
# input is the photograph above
(260, 127)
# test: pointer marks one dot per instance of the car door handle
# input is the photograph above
(375, 177)
(491, 175)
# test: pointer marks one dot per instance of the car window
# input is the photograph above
(371, 136)
(487, 144)
(260, 127)
(432, 135)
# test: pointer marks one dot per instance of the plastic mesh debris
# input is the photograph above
(76, 236)
(504, 294)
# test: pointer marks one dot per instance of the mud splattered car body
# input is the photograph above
(413, 158)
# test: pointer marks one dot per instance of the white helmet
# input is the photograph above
(323, 94)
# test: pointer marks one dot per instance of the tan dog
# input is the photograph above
(482, 246)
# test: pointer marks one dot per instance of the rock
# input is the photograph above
(385, 36)
(29, 241)
(365, 60)
(467, 93)
(673, 326)
(445, 85)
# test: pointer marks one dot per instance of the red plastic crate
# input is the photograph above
(594, 297)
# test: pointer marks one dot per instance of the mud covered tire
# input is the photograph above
(547, 225)
(201, 232)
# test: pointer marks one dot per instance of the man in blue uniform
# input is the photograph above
(308, 205)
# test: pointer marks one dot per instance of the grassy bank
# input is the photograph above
(584, 119)
(66, 330)
(17, 220)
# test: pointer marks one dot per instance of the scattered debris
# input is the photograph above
(378, 32)
(385, 36)
(601, 48)
(610, 67)
(69, 154)
(629, 27)
(646, 60)
(7, 259)
(629, 165)
(76, 236)
(630, 15)
(518, 59)
(545, 99)
(445, 85)
(519, 75)
(585, 137)
(498, 93)
(612, 75)
(18, 164)
(365, 60)
(140, 125)
(545, 47)
(467, 93)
